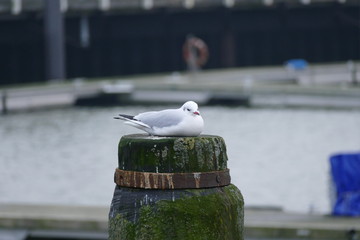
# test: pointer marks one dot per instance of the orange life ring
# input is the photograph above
(202, 53)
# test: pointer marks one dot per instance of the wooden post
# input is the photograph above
(174, 188)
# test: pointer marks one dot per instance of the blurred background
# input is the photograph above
(277, 79)
(122, 37)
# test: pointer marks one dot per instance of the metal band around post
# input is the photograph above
(151, 180)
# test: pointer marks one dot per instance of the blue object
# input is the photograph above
(296, 64)
(345, 169)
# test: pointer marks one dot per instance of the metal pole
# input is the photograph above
(352, 69)
(353, 75)
(3, 102)
(54, 41)
(16, 6)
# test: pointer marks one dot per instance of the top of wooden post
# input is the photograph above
(144, 153)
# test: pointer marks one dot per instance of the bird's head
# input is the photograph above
(191, 108)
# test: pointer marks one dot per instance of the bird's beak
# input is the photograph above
(197, 113)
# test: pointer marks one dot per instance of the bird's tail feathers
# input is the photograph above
(130, 120)
(124, 117)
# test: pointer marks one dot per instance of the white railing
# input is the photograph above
(18, 6)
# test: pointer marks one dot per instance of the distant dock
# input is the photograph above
(320, 86)
(17, 222)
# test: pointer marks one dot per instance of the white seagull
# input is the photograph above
(184, 121)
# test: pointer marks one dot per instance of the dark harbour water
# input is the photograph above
(277, 157)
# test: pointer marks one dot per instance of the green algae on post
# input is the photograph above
(212, 213)
(172, 154)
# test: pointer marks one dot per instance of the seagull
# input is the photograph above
(185, 121)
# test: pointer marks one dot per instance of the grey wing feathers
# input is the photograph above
(160, 119)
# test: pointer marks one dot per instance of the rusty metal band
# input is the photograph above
(151, 180)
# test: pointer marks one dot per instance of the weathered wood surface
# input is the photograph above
(150, 180)
(213, 213)
(207, 213)
(172, 154)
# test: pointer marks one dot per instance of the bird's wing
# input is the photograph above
(161, 119)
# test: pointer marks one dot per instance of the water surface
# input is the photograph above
(277, 157)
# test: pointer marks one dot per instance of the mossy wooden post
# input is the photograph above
(174, 188)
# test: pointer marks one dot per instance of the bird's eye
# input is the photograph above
(188, 109)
